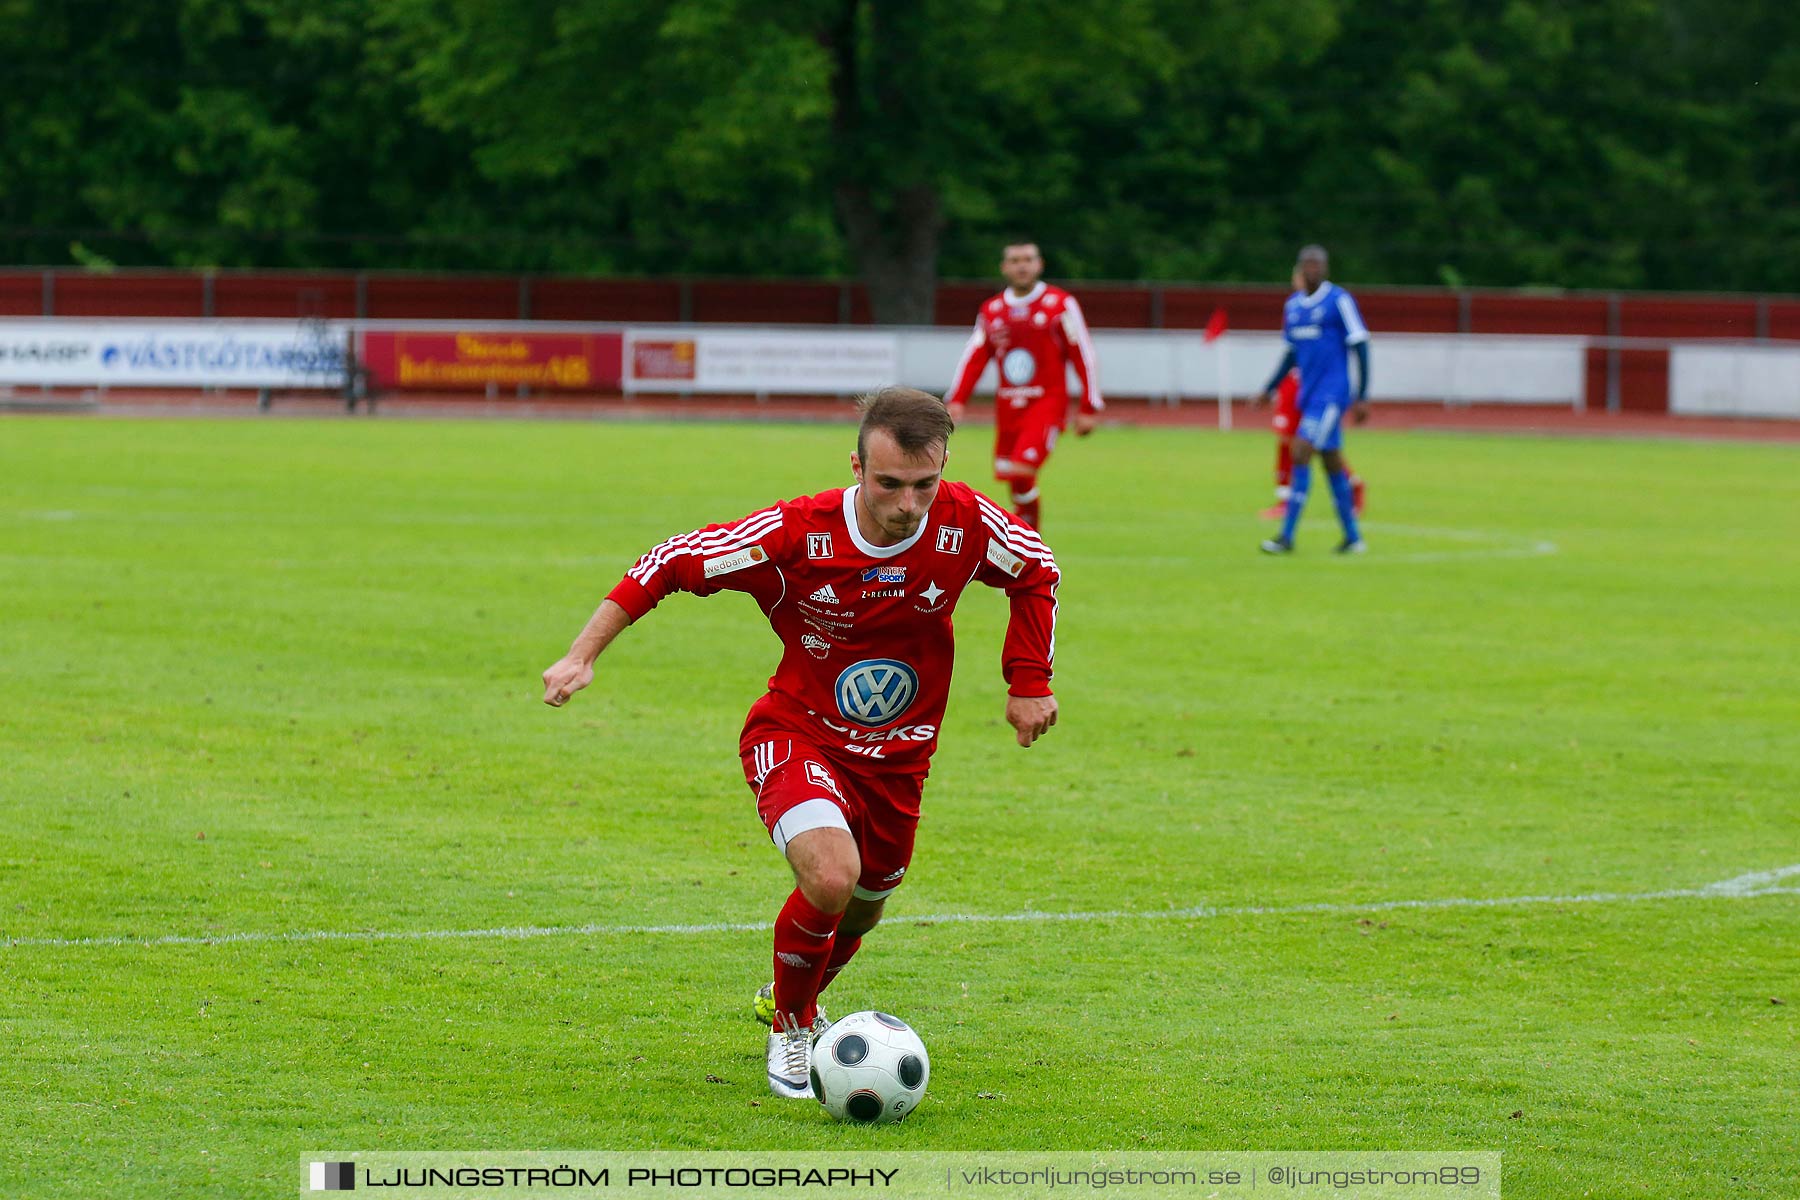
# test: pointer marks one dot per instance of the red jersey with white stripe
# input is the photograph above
(867, 640)
(1036, 338)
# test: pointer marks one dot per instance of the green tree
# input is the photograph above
(209, 132)
(1616, 143)
(739, 134)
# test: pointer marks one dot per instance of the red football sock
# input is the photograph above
(803, 937)
(1025, 500)
(1284, 462)
(842, 950)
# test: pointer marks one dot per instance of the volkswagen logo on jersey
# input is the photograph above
(875, 691)
(1019, 366)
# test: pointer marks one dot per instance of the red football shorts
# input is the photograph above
(1023, 440)
(1287, 408)
(797, 789)
(1287, 415)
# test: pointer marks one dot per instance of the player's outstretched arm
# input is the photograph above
(969, 367)
(575, 670)
(1030, 716)
(1021, 565)
(1081, 356)
(703, 562)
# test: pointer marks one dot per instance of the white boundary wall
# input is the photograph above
(49, 352)
(787, 361)
(1403, 367)
(1735, 380)
(1160, 364)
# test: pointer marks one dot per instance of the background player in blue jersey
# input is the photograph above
(1322, 326)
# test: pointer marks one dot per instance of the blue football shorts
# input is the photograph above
(1322, 423)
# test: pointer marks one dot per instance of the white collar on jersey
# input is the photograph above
(1017, 300)
(865, 545)
(1324, 286)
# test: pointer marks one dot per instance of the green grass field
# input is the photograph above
(281, 677)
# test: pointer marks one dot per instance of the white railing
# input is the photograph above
(1715, 378)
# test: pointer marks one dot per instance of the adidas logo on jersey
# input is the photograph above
(825, 595)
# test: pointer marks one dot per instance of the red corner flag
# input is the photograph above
(1215, 324)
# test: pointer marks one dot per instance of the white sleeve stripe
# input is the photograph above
(1075, 325)
(996, 519)
(728, 539)
(1042, 557)
(1016, 537)
(749, 531)
(1037, 550)
(755, 520)
(1026, 538)
(724, 539)
(745, 533)
(997, 524)
(1352, 320)
(1043, 560)
(662, 555)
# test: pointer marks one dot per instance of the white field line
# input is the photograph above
(1741, 887)
(1483, 544)
(1487, 545)
(223, 517)
(1535, 550)
(1480, 543)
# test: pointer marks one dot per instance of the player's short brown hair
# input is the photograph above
(914, 419)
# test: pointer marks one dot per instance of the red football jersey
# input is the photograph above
(867, 641)
(1036, 337)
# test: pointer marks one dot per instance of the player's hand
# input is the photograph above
(1031, 716)
(1086, 423)
(1359, 412)
(565, 677)
(957, 412)
(1263, 398)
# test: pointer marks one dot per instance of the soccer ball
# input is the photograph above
(870, 1068)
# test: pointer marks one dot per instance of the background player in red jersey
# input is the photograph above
(1038, 332)
(859, 584)
(1285, 421)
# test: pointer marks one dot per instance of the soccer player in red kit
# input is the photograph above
(1037, 332)
(859, 583)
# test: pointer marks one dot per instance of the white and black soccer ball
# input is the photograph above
(870, 1068)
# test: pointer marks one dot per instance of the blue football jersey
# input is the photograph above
(1321, 328)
